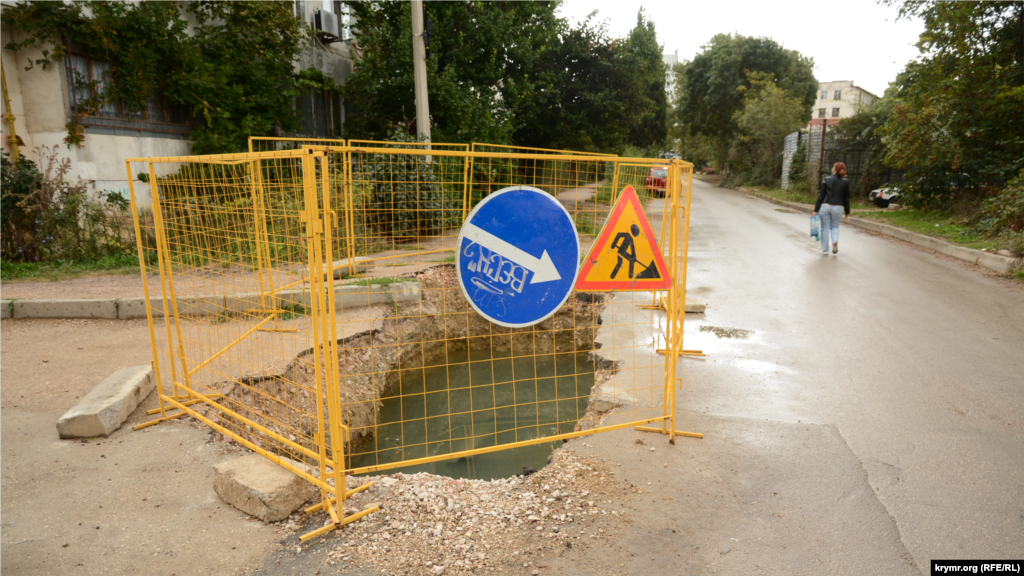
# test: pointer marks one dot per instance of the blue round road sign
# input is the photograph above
(518, 255)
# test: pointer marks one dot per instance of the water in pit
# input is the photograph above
(475, 401)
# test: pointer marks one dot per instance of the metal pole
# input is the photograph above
(821, 162)
(9, 116)
(419, 54)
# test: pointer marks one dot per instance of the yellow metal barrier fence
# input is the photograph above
(258, 333)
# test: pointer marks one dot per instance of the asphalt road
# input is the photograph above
(871, 418)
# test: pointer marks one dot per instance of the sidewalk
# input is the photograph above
(994, 262)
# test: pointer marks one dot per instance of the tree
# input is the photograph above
(509, 72)
(956, 122)
(710, 98)
(240, 77)
(768, 114)
(483, 62)
(596, 93)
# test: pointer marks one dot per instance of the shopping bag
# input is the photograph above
(816, 227)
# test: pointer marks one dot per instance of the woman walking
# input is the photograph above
(833, 202)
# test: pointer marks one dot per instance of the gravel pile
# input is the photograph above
(437, 525)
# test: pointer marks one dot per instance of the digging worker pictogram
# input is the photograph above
(627, 251)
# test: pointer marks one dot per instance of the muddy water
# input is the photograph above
(473, 399)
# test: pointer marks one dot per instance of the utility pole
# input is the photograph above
(9, 114)
(419, 54)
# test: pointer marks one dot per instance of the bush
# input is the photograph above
(407, 200)
(46, 218)
(1004, 211)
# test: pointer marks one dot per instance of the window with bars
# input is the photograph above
(835, 112)
(821, 112)
(89, 78)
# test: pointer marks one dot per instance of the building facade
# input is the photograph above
(43, 102)
(838, 100)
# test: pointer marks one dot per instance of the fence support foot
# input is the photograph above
(662, 431)
(341, 522)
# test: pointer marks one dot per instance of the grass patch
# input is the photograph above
(51, 271)
(800, 197)
(943, 225)
(585, 224)
(382, 281)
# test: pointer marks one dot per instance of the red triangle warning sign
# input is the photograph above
(626, 256)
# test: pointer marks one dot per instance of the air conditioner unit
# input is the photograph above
(326, 26)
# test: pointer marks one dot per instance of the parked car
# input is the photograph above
(656, 182)
(882, 197)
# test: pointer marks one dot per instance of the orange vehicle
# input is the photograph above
(656, 182)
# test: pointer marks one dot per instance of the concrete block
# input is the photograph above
(356, 296)
(966, 254)
(128, 308)
(866, 224)
(83, 308)
(695, 307)
(5, 308)
(236, 304)
(108, 405)
(260, 488)
(1001, 264)
(341, 269)
(187, 307)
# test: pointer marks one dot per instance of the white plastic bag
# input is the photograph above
(816, 227)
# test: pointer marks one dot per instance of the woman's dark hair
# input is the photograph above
(840, 168)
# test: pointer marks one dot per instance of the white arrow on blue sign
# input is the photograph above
(518, 255)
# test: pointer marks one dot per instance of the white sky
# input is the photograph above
(857, 40)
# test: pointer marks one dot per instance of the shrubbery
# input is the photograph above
(45, 218)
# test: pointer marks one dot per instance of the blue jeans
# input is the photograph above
(830, 217)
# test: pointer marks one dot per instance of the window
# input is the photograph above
(821, 112)
(838, 95)
(341, 10)
(835, 112)
(300, 10)
(86, 74)
(824, 94)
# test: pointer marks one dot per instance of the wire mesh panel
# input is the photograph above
(314, 312)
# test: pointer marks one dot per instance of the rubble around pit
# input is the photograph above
(433, 524)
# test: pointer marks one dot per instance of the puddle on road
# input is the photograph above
(736, 333)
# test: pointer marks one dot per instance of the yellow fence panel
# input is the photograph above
(314, 312)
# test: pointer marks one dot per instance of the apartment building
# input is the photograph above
(837, 100)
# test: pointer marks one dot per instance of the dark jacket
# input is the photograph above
(835, 190)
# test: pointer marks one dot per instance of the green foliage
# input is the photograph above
(46, 218)
(508, 72)
(17, 223)
(63, 269)
(481, 52)
(234, 70)
(769, 113)
(406, 199)
(596, 93)
(956, 123)
(709, 98)
(1003, 214)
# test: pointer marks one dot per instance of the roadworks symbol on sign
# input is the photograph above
(626, 256)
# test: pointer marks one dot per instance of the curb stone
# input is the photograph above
(994, 262)
(350, 296)
(109, 404)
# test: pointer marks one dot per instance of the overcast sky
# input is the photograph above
(855, 40)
